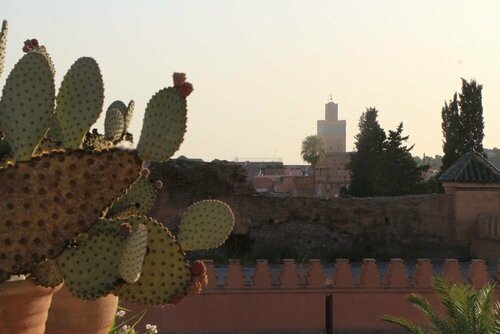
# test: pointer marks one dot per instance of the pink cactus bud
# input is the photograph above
(26, 49)
(202, 279)
(179, 78)
(126, 229)
(198, 268)
(186, 89)
(194, 288)
(158, 184)
(145, 172)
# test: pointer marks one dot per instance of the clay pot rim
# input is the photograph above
(27, 286)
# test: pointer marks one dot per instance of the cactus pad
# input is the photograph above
(133, 253)
(118, 105)
(164, 125)
(52, 198)
(140, 198)
(47, 274)
(90, 270)
(128, 115)
(113, 125)
(43, 51)
(205, 224)
(3, 44)
(79, 101)
(165, 272)
(27, 104)
(55, 132)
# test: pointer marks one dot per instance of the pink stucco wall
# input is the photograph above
(291, 303)
(471, 201)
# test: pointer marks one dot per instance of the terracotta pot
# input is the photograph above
(72, 315)
(24, 307)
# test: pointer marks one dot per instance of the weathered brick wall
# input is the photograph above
(407, 226)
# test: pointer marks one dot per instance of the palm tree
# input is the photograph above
(313, 150)
(467, 310)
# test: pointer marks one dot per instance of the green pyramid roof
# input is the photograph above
(471, 167)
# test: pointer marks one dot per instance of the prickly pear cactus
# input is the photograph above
(133, 253)
(47, 274)
(126, 111)
(128, 115)
(165, 272)
(205, 224)
(118, 105)
(31, 45)
(140, 198)
(79, 101)
(52, 204)
(164, 122)
(113, 125)
(91, 270)
(50, 199)
(27, 104)
(3, 44)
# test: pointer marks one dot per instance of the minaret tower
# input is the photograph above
(331, 129)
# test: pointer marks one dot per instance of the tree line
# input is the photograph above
(382, 164)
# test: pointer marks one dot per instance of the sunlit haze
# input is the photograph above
(263, 70)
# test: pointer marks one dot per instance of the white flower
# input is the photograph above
(151, 329)
(125, 329)
(120, 314)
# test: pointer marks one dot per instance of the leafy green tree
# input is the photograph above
(467, 310)
(462, 123)
(451, 127)
(313, 150)
(400, 173)
(366, 162)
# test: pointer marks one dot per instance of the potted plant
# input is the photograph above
(75, 205)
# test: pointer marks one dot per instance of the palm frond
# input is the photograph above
(406, 324)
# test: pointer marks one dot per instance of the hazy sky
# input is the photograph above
(263, 69)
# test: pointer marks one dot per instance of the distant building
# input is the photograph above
(332, 174)
(332, 130)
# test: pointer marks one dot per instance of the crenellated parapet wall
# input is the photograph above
(290, 298)
(368, 275)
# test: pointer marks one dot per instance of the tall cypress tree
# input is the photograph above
(451, 132)
(462, 123)
(471, 117)
(366, 161)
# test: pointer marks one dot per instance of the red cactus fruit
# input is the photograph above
(179, 78)
(126, 229)
(186, 89)
(198, 268)
(145, 172)
(194, 288)
(34, 42)
(202, 279)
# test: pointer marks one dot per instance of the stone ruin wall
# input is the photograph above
(295, 227)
